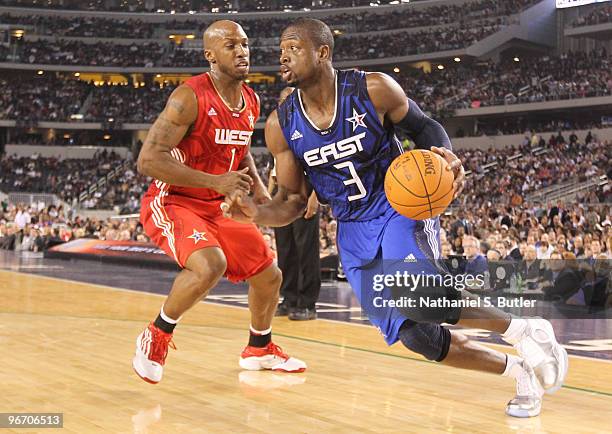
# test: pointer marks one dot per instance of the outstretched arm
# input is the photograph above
(155, 158)
(290, 201)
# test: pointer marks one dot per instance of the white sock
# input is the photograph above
(515, 331)
(261, 332)
(514, 366)
(167, 318)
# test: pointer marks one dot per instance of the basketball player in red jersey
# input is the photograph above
(198, 152)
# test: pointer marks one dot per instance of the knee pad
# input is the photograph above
(427, 339)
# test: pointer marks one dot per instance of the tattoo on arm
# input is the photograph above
(176, 105)
(162, 130)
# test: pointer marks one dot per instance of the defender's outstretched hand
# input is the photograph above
(454, 164)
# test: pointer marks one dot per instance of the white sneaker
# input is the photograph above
(151, 351)
(269, 357)
(539, 348)
(528, 399)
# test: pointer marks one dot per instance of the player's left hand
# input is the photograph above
(240, 208)
(261, 195)
(454, 164)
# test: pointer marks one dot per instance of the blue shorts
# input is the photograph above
(382, 246)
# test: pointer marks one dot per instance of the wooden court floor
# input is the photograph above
(67, 347)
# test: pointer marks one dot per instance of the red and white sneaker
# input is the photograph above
(269, 357)
(151, 351)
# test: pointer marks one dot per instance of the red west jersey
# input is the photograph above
(219, 140)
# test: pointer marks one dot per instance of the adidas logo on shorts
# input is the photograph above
(296, 135)
(212, 112)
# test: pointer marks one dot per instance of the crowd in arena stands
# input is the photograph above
(476, 7)
(72, 52)
(98, 27)
(520, 124)
(369, 21)
(151, 54)
(539, 246)
(38, 227)
(531, 79)
(598, 15)
(571, 75)
(41, 99)
(67, 178)
(510, 180)
(128, 103)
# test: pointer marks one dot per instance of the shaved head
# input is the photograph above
(219, 30)
(226, 48)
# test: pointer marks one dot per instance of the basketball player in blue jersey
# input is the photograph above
(335, 134)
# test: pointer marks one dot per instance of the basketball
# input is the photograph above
(418, 185)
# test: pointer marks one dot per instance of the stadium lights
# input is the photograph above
(40, 72)
(190, 36)
(396, 69)
(516, 59)
(171, 36)
(76, 116)
(440, 67)
(77, 74)
(337, 32)
(107, 136)
(457, 59)
(157, 75)
(66, 136)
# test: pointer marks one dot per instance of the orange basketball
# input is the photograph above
(418, 186)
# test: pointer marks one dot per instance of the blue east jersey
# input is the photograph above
(346, 165)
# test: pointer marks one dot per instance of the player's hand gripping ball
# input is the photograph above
(418, 184)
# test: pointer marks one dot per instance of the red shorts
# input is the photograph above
(181, 225)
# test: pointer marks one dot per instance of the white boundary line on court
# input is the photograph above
(113, 288)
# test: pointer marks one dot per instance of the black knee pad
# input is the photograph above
(427, 339)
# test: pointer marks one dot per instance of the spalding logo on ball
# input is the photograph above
(418, 184)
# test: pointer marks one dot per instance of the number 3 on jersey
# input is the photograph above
(353, 180)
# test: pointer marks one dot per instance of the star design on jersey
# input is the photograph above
(197, 236)
(251, 120)
(357, 120)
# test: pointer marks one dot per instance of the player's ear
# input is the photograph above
(324, 52)
(209, 56)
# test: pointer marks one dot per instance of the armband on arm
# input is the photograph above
(425, 131)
